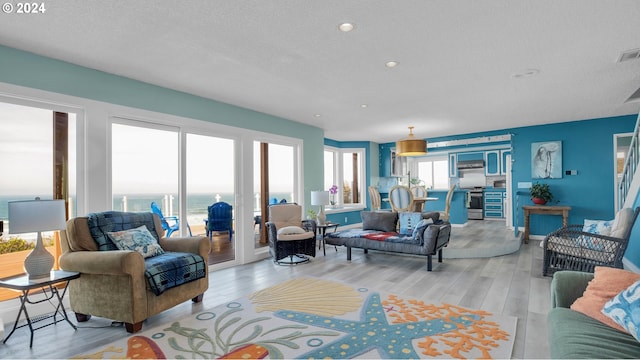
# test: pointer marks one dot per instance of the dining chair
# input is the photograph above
(444, 215)
(374, 197)
(401, 198)
(419, 191)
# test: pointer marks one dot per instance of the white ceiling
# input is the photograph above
(457, 59)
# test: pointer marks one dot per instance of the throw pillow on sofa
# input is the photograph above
(379, 220)
(624, 309)
(408, 222)
(606, 284)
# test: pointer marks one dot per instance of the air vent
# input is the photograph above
(629, 55)
(634, 97)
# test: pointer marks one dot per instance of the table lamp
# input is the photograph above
(37, 216)
(320, 198)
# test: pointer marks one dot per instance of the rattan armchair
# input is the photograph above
(291, 239)
(570, 248)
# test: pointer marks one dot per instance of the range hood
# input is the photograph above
(470, 164)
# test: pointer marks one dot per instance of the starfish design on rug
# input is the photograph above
(373, 331)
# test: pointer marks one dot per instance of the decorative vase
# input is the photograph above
(539, 201)
(322, 218)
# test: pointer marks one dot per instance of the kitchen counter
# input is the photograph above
(458, 210)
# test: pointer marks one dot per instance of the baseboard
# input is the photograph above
(628, 265)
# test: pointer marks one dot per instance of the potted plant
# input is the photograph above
(540, 193)
(311, 215)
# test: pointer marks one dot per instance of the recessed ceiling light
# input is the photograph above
(526, 73)
(317, 115)
(345, 27)
(363, 105)
(391, 64)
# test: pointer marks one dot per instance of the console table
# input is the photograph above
(543, 210)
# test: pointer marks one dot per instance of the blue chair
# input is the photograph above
(220, 218)
(169, 223)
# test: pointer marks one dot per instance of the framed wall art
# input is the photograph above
(546, 160)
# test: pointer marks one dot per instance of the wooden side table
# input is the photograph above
(25, 285)
(543, 210)
(322, 229)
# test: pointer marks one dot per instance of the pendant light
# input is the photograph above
(411, 146)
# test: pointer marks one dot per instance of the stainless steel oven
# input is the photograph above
(476, 205)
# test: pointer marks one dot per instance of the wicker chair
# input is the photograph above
(290, 238)
(570, 248)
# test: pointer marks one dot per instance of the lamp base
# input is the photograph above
(322, 218)
(39, 262)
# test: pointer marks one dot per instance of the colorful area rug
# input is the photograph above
(315, 318)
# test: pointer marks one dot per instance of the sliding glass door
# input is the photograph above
(144, 169)
(210, 176)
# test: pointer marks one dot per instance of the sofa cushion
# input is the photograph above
(379, 220)
(573, 335)
(624, 309)
(138, 239)
(408, 222)
(109, 221)
(607, 283)
(623, 220)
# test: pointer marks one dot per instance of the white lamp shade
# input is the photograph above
(320, 198)
(36, 215)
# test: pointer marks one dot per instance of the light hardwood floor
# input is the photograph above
(509, 285)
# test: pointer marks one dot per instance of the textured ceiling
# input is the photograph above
(457, 59)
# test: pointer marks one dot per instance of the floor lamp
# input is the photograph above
(37, 216)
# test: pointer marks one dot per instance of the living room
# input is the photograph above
(101, 99)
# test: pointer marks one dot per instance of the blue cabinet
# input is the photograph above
(493, 204)
(492, 162)
(503, 161)
(453, 165)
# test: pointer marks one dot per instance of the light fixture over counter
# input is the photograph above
(411, 146)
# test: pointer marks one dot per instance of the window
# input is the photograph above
(38, 158)
(433, 172)
(345, 169)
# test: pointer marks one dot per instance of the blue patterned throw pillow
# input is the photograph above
(600, 227)
(624, 309)
(138, 239)
(409, 221)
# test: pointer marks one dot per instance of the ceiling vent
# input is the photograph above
(629, 55)
(634, 97)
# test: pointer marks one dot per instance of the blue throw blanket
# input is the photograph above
(109, 221)
(172, 269)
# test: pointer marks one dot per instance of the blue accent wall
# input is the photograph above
(587, 146)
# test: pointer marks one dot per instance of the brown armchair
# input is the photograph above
(570, 248)
(112, 283)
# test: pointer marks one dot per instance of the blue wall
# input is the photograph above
(587, 146)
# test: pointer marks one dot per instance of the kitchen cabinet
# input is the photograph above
(466, 156)
(492, 163)
(453, 165)
(392, 165)
(503, 161)
(494, 204)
